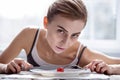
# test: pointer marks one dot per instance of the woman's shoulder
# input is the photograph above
(27, 36)
(29, 30)
(32, 30)
(29, 33)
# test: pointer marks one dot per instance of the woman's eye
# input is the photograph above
(60, 31)
(75, 36)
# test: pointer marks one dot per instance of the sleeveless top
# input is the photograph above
(34, 59)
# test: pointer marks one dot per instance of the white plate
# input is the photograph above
(67, 72)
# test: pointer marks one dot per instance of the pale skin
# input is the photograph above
(58, 41)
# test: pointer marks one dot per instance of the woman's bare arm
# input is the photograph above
(90, 55)
(14, 48)
(22, 41)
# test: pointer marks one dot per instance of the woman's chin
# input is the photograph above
(58, 52)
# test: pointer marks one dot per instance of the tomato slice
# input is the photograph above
(60, 69)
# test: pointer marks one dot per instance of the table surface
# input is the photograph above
(27, 75)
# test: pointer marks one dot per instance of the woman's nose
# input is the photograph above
(66, 41)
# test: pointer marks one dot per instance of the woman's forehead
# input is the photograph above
(68, 24)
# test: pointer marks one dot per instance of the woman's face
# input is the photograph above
(62, 33)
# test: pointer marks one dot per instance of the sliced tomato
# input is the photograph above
(60, 69)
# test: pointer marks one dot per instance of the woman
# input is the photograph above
(56, 45)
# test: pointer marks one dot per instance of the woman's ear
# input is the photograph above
(45, 22)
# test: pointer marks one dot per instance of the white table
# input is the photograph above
(27, 75)
(115, 77)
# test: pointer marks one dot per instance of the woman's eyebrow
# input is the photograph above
(62, 28)
(76, 33)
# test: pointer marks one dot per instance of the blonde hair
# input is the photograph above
(72, 9)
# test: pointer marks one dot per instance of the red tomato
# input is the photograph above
(60, 69)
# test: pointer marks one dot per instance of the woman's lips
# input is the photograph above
(60, 48)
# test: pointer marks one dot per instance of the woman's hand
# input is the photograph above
(16, 65)
(100, 66)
